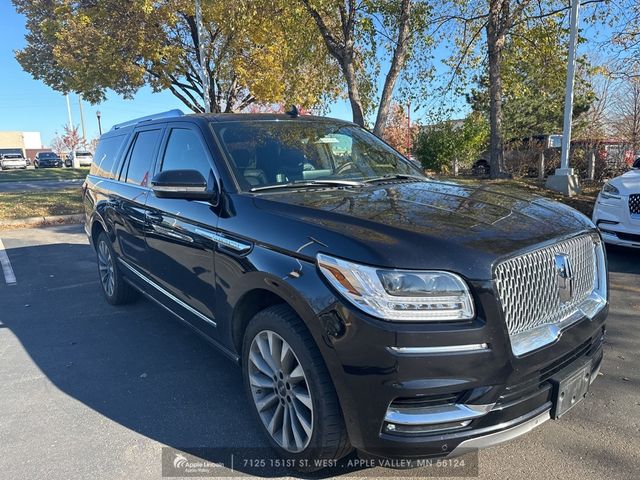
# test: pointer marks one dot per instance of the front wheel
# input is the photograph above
(290, 390)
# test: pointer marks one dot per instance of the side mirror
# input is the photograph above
(185, 184)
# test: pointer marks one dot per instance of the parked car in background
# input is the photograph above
(85, 158)
(12, 160)
(617, 209)
(481, 168)
(368, 306)
(47, 160)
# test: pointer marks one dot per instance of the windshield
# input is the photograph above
(265, 153)
(84, 154)
(48, 155)
(12, 155)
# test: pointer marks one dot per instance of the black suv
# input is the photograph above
(369, 306)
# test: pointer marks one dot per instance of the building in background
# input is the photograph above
(26, 143)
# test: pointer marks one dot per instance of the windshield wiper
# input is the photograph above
(308, 183)
(395, 176)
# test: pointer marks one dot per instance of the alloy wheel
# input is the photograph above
(106, 268)
(280, 391)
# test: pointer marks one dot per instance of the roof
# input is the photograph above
(249, 117)
(177, 116)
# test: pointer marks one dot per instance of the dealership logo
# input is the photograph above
(180, 461)
(564, 275)
(182, 464)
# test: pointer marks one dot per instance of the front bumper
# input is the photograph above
(9, 165)
(47, 164)
(617, 225)
(495, 395)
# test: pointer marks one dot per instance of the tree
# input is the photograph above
(58, 146)
(533, 75)
(482, 31)
(463, 141)
(68, 141)
(626, 112)
(397, 131)
(260, 50)
(353, 32)
(625, 39)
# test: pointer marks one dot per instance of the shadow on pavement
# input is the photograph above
(136, 365)
(623, 260)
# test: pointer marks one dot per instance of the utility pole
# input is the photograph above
(69, 112)
(202, 53)
(84, 135)
(564, 180)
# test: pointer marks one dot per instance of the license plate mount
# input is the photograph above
(571, 389)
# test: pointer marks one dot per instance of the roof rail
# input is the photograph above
(176, 112)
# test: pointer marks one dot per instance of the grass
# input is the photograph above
(16, 205)
(583, 202)
(43, 174)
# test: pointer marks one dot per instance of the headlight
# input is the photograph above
(609, 191)
(405, 295)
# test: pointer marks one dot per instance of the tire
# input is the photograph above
(325, 437)
(115, 289)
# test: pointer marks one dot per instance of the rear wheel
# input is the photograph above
(290, 389)
(115, 289)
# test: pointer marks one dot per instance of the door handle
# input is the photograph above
(153, 217)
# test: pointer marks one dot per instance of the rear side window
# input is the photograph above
(136, 170)
(106, 156)
(185, 152)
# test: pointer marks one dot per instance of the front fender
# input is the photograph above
(297, 282)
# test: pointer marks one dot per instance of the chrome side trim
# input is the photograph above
(167, 294)
(439, 349)
(227, 242)
(170, 233)
(438, 414)
(500, 437)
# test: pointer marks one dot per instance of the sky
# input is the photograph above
(30, 105)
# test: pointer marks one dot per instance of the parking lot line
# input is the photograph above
(9, 276)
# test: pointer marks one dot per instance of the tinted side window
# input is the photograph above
(106, 155)
(185, 151)
(136, 170)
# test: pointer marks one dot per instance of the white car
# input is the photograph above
(617, 209)
(85, 159)
(12, 160)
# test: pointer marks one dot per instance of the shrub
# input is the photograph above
(437, 146)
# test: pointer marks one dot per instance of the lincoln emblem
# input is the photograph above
(564, 274)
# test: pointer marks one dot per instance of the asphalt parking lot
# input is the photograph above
(93, 391)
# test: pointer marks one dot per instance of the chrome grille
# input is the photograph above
(528, 284)
(634, 204)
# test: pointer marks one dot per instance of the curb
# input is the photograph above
(43, 221)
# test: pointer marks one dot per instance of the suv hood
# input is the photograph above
(628, 182)
(421, 224)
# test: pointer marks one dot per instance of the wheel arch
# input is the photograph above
(248, 305)
(98, 225)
